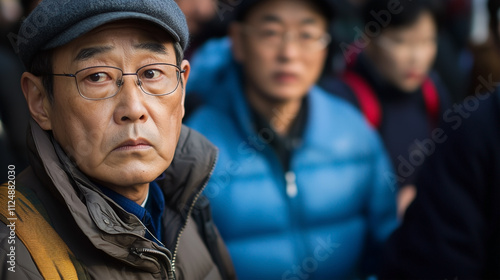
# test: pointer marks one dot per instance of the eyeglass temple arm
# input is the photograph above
(64, 75)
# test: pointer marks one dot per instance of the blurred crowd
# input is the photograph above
(369, 129)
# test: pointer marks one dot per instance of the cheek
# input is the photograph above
(395, 60)
(258, 70)
(168, 121)
(257, 57)
(79, 132)
(82, 141)
(393, 65)
(430, 55)
(314, 65)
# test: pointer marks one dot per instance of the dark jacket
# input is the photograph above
(452, 229)
(104, 241)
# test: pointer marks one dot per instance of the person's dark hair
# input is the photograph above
(408, 12)
(42, 66)
(324, 7)
(493, 8)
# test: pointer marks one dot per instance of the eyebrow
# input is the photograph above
(153, 47)
(275, 19)
(91, 52)
(270, 18)
(309, 21)
(88, 53)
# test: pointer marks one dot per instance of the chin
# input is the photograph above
(288, 94)
(409, 87)
(129, 175)
(131, 180)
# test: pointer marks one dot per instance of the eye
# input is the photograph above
(398, 40)
(307, 36)
(152, 73)
(269, 33)
(98, 77)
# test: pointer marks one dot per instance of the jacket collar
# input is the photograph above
(318, 111)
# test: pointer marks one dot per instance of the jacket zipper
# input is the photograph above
(171, 272)
(174, 258)
(141, 251)
(291, 184)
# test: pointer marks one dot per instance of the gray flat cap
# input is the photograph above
(54, 23)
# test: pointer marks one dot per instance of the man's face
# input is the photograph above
(404, 56)
(281, 47)
(129, 139)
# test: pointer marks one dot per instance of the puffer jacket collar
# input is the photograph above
(105, 223)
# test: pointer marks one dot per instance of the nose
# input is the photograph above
(415, 59)
(289, 48)
(131, 106)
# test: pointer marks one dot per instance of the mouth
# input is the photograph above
(413, 76)
(285, 77)
(134, 145)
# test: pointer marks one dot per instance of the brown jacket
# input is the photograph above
(95, 236)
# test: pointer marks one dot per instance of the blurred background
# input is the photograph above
(466, 51)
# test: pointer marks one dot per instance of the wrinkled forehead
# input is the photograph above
(117, 41)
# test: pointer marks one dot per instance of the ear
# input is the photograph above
(186, 67)
(236, 35)
(37, 99)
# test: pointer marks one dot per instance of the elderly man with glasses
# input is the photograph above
(115, 179)
(302, 187)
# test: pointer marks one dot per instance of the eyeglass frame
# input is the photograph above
(121, 82)
(326, 37)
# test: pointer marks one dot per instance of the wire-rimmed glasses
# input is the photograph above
(103, 82)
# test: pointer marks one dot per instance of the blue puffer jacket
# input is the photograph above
(339, 207)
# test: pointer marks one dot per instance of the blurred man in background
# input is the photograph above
(299, 189)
